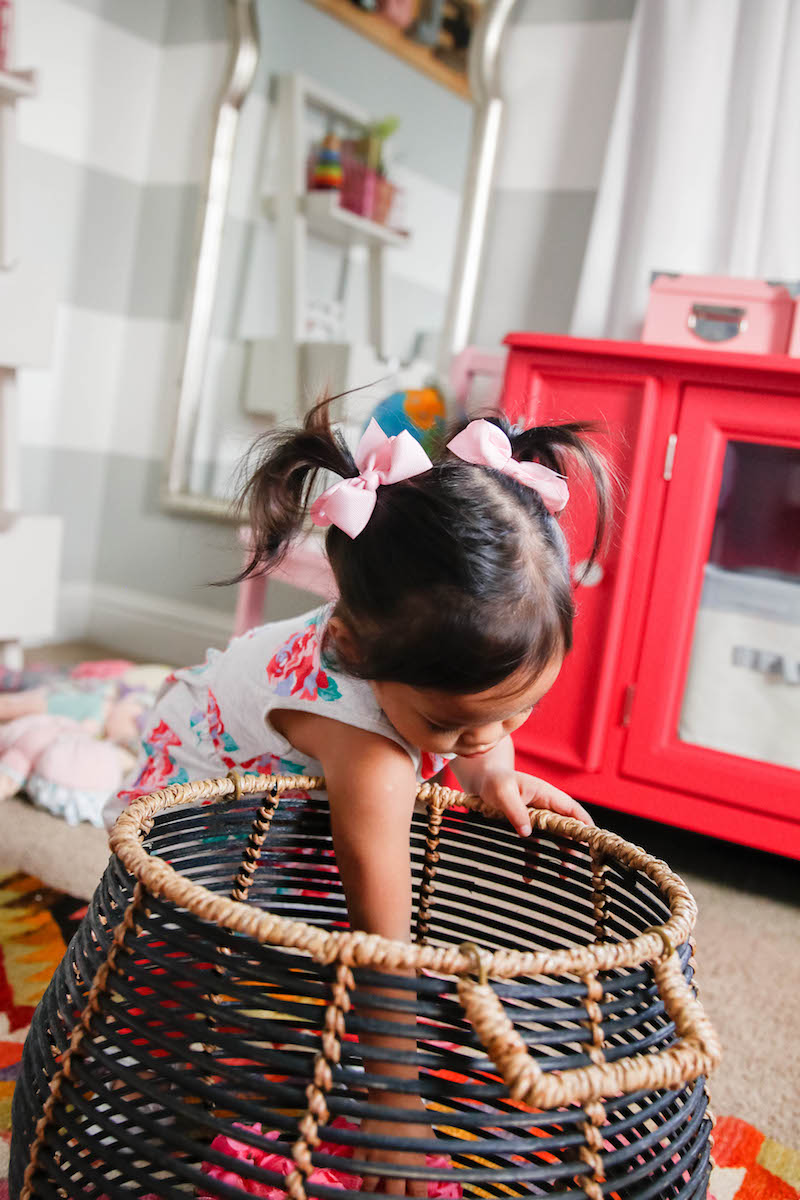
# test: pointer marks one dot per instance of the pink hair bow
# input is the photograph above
(380, 459)
(485, 445)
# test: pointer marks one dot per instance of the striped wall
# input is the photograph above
(112, 158)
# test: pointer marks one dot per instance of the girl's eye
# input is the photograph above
(440, 728)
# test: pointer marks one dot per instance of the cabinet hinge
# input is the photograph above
(627, 704)
(669, 456)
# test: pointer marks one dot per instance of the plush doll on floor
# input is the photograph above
(69, 742)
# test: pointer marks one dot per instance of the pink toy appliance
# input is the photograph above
(712, 312)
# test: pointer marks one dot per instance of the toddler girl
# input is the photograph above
(453, 619)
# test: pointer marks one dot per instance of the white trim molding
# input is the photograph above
(143, 626)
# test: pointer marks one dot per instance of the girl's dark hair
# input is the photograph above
(460, 578)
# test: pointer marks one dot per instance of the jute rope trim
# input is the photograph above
(427, 885)
(591, 1151)
(695, 1053)
(355, 948)
(599, 892)
(252, 851)
(317, 1113)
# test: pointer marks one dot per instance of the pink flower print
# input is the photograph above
(224, 744)
(159, 771)
(271, 764)
(281, 1165)
(226, 747)
(296, 670)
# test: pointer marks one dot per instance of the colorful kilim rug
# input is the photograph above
(36, 925)
(751, 1166)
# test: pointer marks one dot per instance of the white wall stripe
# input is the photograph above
(71, 403)
(97, 91)
(146, 115)
(560, 82)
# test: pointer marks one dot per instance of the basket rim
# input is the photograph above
(356, 948)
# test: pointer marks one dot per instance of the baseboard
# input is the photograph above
(154, 628)
(72, 614)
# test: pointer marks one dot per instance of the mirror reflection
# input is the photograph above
(338, 237)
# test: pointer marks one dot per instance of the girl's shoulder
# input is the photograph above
(287, 657)
(286, 665)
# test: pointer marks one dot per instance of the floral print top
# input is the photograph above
(214, 718)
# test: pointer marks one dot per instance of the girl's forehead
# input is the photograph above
(509, 696)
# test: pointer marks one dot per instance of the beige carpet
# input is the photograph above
(748, 967)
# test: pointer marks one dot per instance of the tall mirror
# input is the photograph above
(340, 237)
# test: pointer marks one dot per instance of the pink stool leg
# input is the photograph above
(250, 595)
(250, 599)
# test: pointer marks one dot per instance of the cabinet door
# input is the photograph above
(571, 724)
(716, 707)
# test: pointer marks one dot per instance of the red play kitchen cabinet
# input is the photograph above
(680, 700)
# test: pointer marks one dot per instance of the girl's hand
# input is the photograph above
(514, 793)
(377, 1182)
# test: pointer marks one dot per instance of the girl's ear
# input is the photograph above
(344, 640)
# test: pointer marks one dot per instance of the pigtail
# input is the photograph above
(562, 448)
(280, 471)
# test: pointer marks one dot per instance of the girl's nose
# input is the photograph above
(485, 735)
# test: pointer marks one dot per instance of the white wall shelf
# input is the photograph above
(327, 218)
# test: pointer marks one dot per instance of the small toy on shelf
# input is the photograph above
(366, 189)
(401, 13)
(458, 21)
(326, 174)
(429, 22)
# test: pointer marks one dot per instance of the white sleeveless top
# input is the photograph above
(214, 718)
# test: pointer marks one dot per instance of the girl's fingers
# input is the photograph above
(506, 796)
(545, 796)
(559, 802)
(394, 1187)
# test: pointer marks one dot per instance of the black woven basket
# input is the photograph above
(562, 1054)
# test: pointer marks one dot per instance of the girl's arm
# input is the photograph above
(492, 777)
(371, 789)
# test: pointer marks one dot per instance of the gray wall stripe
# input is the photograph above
(145, 18)
(169, 22)
(167, 232)
(72, 484)
(540, 12)
(535, 247)
(167, 555)
(196, 21)
(86, 241)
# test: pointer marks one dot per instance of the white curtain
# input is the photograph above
(702, 169)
